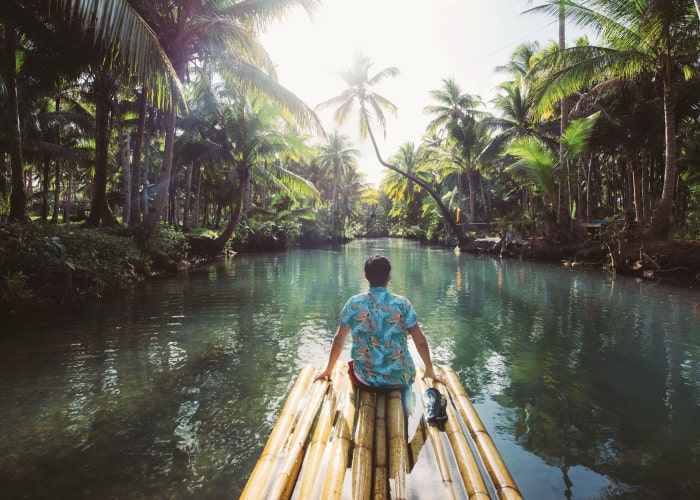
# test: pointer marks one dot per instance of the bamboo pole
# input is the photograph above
(438, 448)
(342, 439)
(259, 480)
(398, 449)
(319, 440)
(466, 463)
(495, 466)
(381, 471)
(362, 454)
(287, 476)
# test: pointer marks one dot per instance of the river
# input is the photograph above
(589, 384)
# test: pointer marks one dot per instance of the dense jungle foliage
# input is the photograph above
(136, 133)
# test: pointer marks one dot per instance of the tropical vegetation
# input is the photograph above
(156, 121)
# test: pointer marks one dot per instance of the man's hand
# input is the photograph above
(324, 375)
(436, 378)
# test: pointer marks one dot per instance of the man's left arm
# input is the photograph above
(424, 352)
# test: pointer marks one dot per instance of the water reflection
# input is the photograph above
(589, 385)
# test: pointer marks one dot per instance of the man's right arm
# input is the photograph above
(424, 352)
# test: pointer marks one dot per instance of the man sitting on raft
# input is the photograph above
(380, 321)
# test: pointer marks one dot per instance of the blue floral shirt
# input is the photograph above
(379, 321)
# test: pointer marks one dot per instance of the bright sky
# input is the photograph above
(427, 40)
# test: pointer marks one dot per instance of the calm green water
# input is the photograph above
(588, 384)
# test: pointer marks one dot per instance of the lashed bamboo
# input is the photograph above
(440, 455)
(342, 440)
(319, 440)
(362, 453)
(466, 463)
(287, 476)
(387, 459)
(398, 450)
(380, 489)
(495, 466)
(260, 479)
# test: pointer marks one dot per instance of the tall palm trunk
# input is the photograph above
(661, 225)
(472, 197)
(150, 221)
(334, 195)
(99, 211)
(197, 180)
(18, 200)
(135, 201)
(187, 208)
(220, 242)
(123, 151)
(564, 123)
(56, 191)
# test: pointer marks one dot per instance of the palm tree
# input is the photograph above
(399, 188)
(645, 39)
(18, 202)
(116, 27)
(241, 137)
(515, 104)
(540, 166)
(192, 31)
(457, 114)
(338, 157)
(372, 107)
(353, 184)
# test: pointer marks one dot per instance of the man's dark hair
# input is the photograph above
(377, 270)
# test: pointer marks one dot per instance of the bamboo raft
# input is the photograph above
(333, 440)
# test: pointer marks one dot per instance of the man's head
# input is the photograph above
(377, 270)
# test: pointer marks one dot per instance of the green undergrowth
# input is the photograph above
(43, 265)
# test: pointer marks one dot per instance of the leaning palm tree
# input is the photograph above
(338, 157)
(646, 39)
(372, 107)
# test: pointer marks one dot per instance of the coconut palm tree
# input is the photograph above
(222, 34)
(541, 166)
(646, 39)
(120, 34)
(372, 106)
(515, 104)
(457, 113)
(339, 157)
(241, 137)
(400, 189)
(353, 184)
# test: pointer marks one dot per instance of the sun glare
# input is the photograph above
(426, 40)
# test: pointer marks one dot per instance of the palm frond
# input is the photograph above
(133, 41)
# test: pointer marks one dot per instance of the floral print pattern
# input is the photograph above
(379, 321)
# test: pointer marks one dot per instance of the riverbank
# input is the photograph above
(672, 262)
(44, 267)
